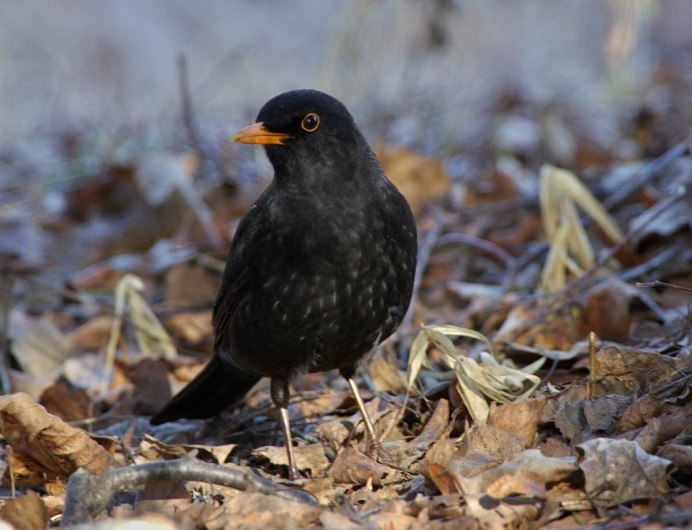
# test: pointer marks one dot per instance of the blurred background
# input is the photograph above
(112, 110)
(422, 72)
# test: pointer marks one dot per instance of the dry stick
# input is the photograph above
(487, 246)
(584, 283)
(87, 495)
(648, 171)
(186, 188)
(592, 363)
(6, 286)
(658, 283)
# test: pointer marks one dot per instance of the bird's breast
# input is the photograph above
(327, 285)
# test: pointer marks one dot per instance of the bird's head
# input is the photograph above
(305, 131)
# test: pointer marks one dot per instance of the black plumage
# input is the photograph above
(321, 267)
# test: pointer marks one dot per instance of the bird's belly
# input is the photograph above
(318, 319)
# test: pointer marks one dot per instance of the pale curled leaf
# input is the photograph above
(151, 336)
(417, 358)
(566, 183)
(570, 250)
(476, 380)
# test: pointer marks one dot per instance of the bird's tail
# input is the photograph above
(215, 388)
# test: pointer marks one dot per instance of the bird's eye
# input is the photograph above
(310, 123)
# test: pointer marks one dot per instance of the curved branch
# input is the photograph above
(88, 495)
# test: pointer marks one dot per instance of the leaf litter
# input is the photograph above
(494, 407)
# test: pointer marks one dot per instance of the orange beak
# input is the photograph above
(257, 134)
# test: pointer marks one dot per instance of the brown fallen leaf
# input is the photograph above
(46, 442)
(435, 427)
(25, 513)
(617, 471)
(628, 371)
(191, 285)
(523, 483)
(442, 479)
(38, 345)
(473, 474)
(680, 455)
(252, 511)
(578, 420)
(192, 328)
(308, 457)
(608, 310)
(386, 376)
(419, 179)
(154, 449)
(353, 467)
(67, 401)
(519, 418)
(486, 439)
(92, 335)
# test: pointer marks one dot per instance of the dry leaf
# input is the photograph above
(308, 457)
(483, 438)
(193, 328)
(56, 448)
(68, 402)
(152, 338)
(153, 449)
(92, 335)
(519, 418)
(442, 479)
(26, 512)
(419, 179)
(353, 467)
(618, 471)
(476, 380)
(581, 418)
(38, 345)
(250, 510)
(386, 376)
(475, 473)
(570, 250)
(434, 428)
(191, 285)
(629, 371)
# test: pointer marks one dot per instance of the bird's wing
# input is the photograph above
(237, 276)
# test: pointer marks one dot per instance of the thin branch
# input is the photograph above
(6, 288)
(647, 172)
(206, 162)
(489, 247)
(658, 283)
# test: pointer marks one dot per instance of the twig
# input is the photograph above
(87, 495)
(658, 283)
(584, 282)
(648, 171)
(188, 191)
(487, 246)
(6, 286)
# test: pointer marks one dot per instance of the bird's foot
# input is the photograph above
(375, 449)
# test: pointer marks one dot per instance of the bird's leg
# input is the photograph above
(280, 396)
(374, 446)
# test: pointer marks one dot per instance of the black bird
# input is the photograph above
(321, 267)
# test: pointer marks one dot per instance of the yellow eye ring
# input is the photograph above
(310, 123)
